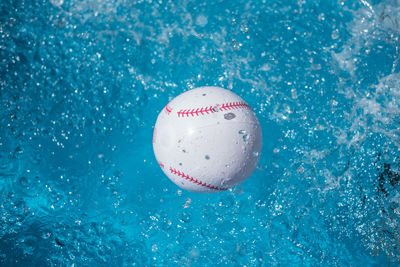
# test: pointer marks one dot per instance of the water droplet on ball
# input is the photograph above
(215, 108)
(256, 153)
(207, 157)
(242, 131)
(229, 116)
(245, 137)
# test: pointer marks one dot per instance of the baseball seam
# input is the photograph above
(168, 109)
(195, 181)
(209, 110)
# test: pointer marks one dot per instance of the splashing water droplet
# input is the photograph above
(185, 217)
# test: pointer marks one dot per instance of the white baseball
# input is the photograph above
(207, 140)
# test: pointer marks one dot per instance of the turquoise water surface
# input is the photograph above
(82, 83)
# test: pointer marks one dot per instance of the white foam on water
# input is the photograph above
(373, 124)
(370, 24)
(380, 108)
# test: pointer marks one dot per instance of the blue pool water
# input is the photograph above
(82, 82)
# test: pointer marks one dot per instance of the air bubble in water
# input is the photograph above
(335, 34)
(316, 66)
(201, 20)
(57, 2)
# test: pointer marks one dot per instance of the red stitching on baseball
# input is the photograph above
(168, 109)
(191, 179)
(210, 109)
(161, 165)
(234, 105)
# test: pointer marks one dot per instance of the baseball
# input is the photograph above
(207, 140)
